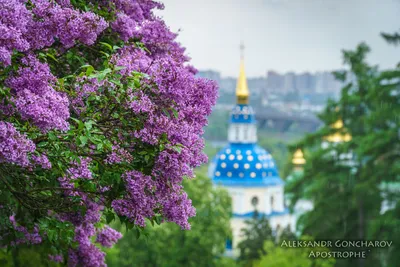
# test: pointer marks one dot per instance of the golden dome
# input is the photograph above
(337, 125)
(338, 137)
(298, 157)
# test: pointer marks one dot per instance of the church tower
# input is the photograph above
(247, 170)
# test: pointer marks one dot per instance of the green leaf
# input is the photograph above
(166, 113)
(176, 115)
(52, 235)
(89, 125)
(116, 82)
(42, 144)
(158, 219)
(99, 146)
(106, 54)
(116, 68)
(83, 140)
(107, 45)
(52, 57)
(137, 233)
(110, 216)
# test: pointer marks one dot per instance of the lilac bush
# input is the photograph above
(101, 119)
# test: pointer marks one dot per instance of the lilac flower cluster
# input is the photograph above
(14, 147)
(76, 171)
(14, 19)
(83, 89)
(87, 254)
(35, 98)
(171, 103)
(193, 98)
(140, 201)
(29, 237)
(107, 237)
(56, 258)
(118, 155)
(26, 29)
(80, 170)
(42, 161)
(64, 23)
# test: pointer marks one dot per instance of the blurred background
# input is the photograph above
(322, 78)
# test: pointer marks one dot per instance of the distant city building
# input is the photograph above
(274, 82)
(289, 92)
(210, 74)
(303, 83)
(320, 82)
(289, 84)
(325, 83)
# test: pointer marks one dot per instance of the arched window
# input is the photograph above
(272, 203)
(254, 201)
(229, 243)
(237, 133)
(245, 132)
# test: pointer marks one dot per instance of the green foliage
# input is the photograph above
(347, 193)
(255, 233)
(392, 38)
(26, 256)
(387, 227)
(167, 245)
(279, 256)
(217, 127)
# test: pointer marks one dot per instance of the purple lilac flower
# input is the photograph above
(14, 146)
(56, 258)
(118, 155)
(35, 98)
(107, 237)
(139, 203)
(32, 237)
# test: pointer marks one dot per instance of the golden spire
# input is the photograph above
(242, 91)
(298, 157)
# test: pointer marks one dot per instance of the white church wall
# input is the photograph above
(237, 224)
(283, 221)
(269, 199)
(274, 199)
(249, 194)
(238, 203)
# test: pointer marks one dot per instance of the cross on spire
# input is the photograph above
(242, 47)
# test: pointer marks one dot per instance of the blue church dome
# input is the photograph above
(243, 162)
(244, 165)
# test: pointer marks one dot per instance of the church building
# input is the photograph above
(248, 171)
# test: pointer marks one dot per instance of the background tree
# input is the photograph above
(100, 117)
(347, 192)
(384, 147)
(167, 245)
(256, 232)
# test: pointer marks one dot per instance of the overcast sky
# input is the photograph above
(282, 35)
